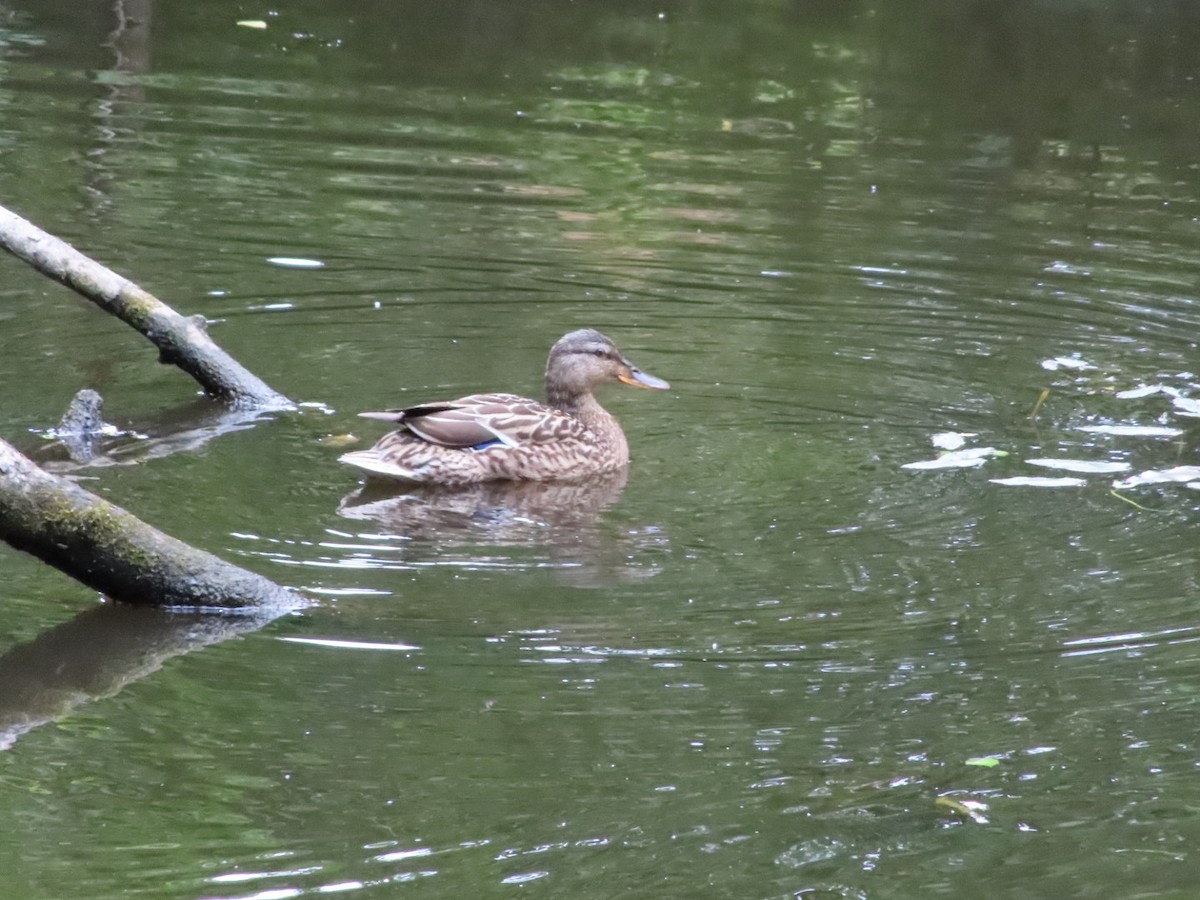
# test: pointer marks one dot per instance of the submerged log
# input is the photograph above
(114, 552)
(181, 340)
(82, 425)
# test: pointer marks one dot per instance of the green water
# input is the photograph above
(762, 665)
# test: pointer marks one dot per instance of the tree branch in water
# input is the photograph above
(181, 340)
(114, 552)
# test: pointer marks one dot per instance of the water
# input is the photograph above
(764, 664)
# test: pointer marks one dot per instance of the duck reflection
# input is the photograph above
(563, 517)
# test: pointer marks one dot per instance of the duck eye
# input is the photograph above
(600, 351)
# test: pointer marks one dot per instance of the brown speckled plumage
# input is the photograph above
(490, 437)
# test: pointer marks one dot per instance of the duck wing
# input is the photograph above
(481, 420)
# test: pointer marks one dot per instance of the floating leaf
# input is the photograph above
(252, 23)
(988, 762)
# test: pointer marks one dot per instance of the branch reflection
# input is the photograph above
(96, 654)
(182, 429)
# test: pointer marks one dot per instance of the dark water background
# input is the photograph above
(764, 665)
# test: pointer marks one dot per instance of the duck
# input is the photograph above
(506, 437)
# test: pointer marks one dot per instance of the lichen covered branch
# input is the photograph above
(114, 552)
(181, 340)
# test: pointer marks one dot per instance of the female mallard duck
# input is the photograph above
(499, 437)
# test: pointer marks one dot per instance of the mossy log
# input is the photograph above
(114, 552)
(181, 340)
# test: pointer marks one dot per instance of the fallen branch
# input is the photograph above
(114, 552)
(181, 340)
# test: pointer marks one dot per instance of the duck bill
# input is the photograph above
(637, 378)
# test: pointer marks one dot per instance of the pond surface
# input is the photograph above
(777, 660)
